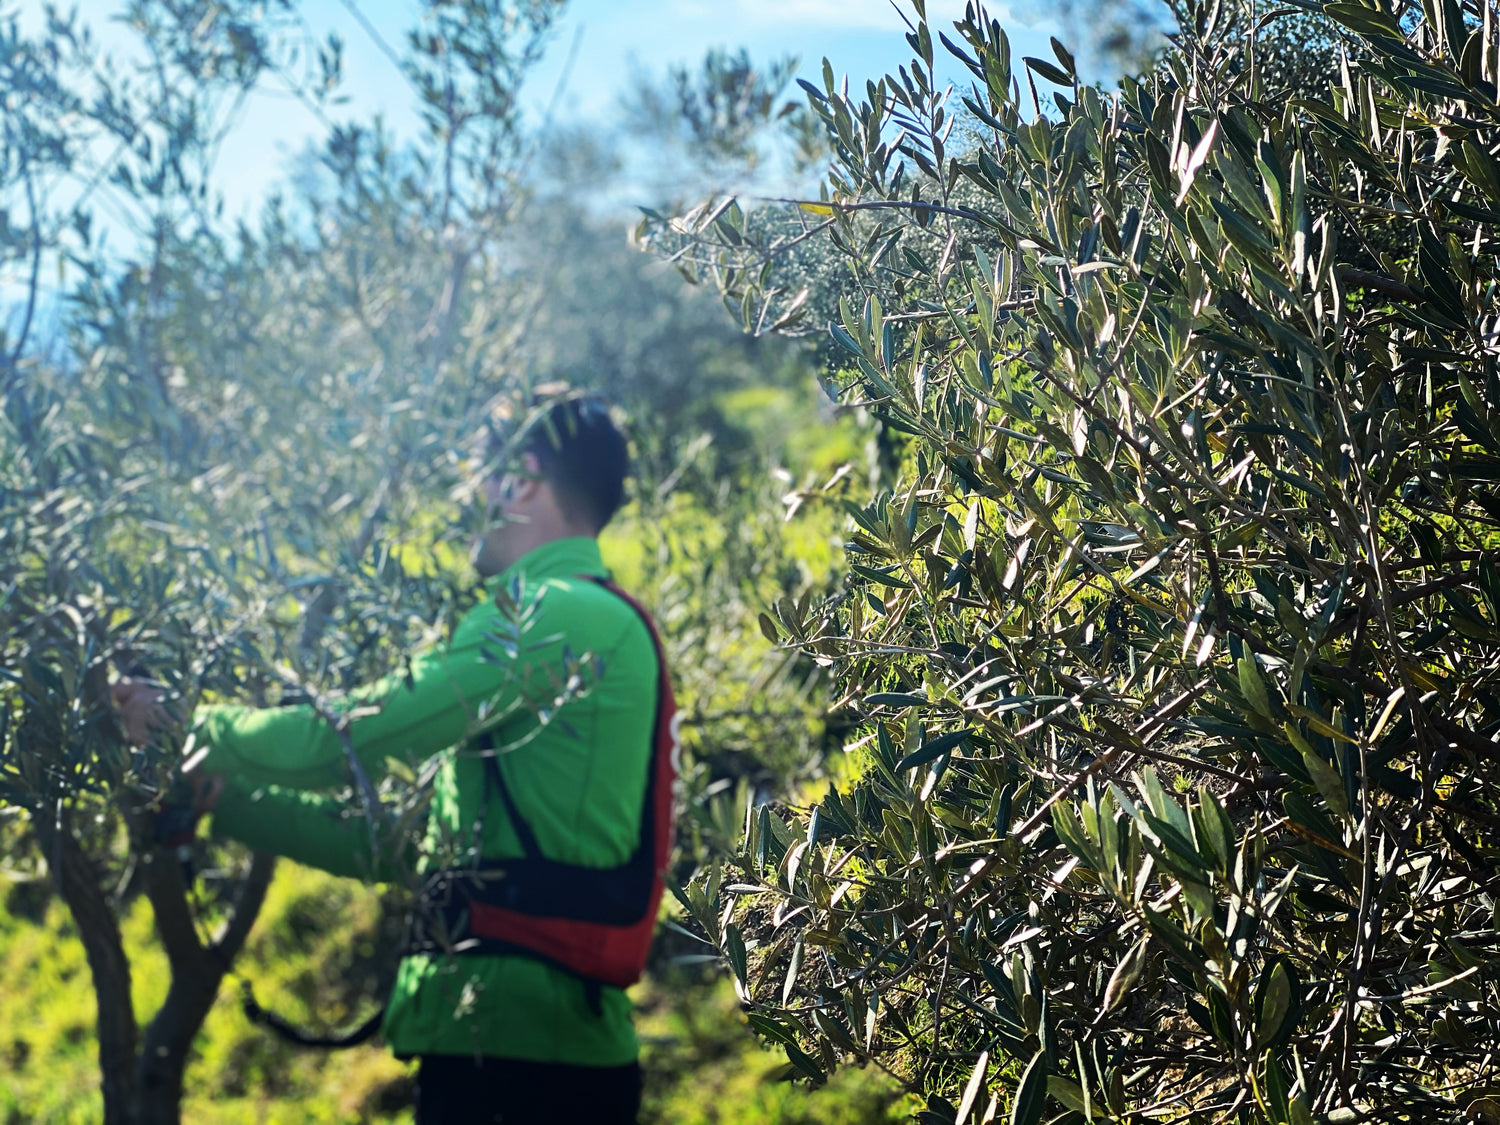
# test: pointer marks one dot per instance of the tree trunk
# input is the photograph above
(78, 884)
(169, 1037)
(197, 971)
(195, 982)
(145, 1087)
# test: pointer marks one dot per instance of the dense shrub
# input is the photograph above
(1174, 647)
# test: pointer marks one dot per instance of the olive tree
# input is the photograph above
(88, 586)
(1174, 646)
(230, 459)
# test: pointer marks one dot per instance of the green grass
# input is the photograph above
(312, 958)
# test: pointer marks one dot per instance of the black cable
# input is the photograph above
(293, 1034)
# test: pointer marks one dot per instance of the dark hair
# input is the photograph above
(581, 453)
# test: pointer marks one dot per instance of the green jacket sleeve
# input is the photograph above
(409, 718)
(313, 828)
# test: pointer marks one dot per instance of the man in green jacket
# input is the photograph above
(560, 690)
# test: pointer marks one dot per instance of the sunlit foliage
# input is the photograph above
(1174, 648)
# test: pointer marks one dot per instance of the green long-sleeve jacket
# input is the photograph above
(579, 780)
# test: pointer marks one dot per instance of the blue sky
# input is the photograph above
(862, 38)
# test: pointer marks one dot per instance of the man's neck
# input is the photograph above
(516, 542)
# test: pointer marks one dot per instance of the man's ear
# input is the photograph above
(528, 481)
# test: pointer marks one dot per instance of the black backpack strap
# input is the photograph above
(593, 995)
(494, 775)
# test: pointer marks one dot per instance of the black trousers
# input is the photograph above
(463, 1090)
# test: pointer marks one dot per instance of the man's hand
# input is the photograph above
(206, 790)
(190, 798)
(142, 709)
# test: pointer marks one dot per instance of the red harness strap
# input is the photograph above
(596, 923)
